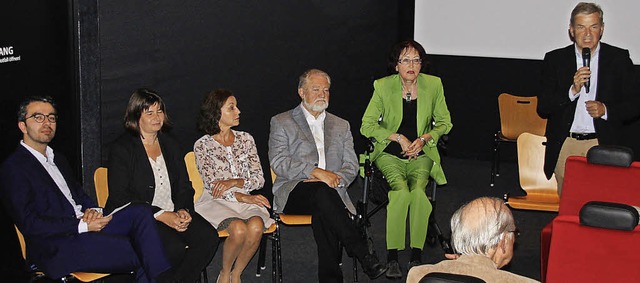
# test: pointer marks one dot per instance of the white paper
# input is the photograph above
(118, 209)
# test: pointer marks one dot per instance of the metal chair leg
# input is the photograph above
(279, 255)
(495, 160)
(262, 252)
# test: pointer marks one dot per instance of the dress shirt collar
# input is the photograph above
(43, 159)
(594, 53)
(310, 118)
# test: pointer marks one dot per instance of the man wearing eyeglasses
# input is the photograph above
(483, 233)
(64, 229)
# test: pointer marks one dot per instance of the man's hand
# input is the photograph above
(327, 177)
(596, 109)
(451, 256)
(581, 77)
(90, 214)
(98, 223)
(253, 199)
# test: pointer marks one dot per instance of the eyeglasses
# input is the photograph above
(516, 232)
(39, 117)
(406, 61)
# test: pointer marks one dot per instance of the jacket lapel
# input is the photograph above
(37, 171)
(301, 121)
(423, 105)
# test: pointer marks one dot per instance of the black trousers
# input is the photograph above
(330, 225)
(189, 251)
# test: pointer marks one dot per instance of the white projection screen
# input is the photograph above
(521, 29)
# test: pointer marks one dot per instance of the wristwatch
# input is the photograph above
(424, 141)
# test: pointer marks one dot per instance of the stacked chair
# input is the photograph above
(517, 115)
(542, 194)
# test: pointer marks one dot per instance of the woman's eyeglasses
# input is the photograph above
(407, 61)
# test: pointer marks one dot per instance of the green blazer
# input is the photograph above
(384, 115)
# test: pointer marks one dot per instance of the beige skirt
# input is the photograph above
(216, 211)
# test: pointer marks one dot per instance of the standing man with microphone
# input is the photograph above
(589, 91)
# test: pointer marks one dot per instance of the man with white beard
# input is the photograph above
(311, 152)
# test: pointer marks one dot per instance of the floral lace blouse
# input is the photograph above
(239, 161)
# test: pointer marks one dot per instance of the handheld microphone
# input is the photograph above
(586, 61)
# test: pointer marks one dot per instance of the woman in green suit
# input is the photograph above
(406, 116)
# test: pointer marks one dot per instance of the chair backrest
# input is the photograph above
(194, 175)
(23, 245)
(441, 277)
(584, 182)
(531, 163)
(518, 115)
(102, 187)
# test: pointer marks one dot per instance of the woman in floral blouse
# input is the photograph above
(230, 168)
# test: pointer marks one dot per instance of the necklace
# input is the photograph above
(407, 93)
(155, 138)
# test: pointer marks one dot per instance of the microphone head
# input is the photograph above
(586, 52)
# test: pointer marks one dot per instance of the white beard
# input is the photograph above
(316, 106)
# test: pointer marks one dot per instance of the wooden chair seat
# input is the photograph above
(293, 219)
(80, 276)
(542, 194)
(537, 199)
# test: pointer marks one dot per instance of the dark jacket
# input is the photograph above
(131, 177)
(617, 89)
(40, 210)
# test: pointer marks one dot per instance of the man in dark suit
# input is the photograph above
(311, 152)
(585, 105)
(63, 228)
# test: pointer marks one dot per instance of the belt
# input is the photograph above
(584, 136)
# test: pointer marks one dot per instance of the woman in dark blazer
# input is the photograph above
(146, 165)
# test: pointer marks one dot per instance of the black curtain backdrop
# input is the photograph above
(255, 49)
(36, 60)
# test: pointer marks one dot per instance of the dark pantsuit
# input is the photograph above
(189, 251)
(330, 225)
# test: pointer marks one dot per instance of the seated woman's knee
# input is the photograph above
(255, 225)
(237, 228)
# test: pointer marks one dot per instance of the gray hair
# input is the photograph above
(308, 73)
(587, 9)
(480, 225)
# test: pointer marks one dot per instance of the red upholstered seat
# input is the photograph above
(587, 254)
(570, 244)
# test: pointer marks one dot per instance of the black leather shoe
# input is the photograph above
(393, 270)
(372, 267)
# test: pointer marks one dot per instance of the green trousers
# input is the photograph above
(408, 180)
